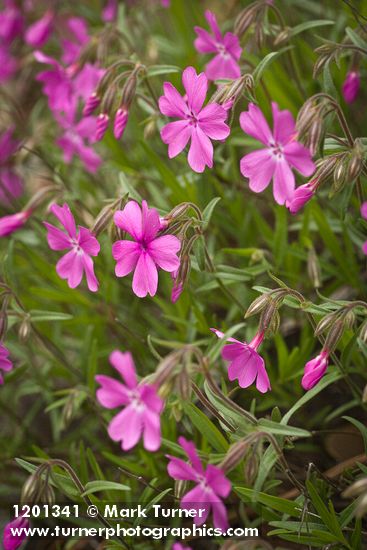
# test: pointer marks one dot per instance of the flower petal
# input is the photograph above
(222, 67)
(172, 103)
(196, 86)
(65, 217)
(254, 123)
(70, 267)
(284, 183)
(88, 242)
(123, 362)
(212, 121)
(201, 151)
(112, 393)
(145, 278)
(163, 251)
(57, 240)
(176, 135)
(127, 254)
(151, 431)
(130, 220)
(259, 167)
(92, 280)
(284, 125)
(126, 427)
(299, 157)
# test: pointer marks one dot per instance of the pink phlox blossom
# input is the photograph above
(196, 123)
(76, 38)
(81, 243)
(13, 222)
(5, 364)
(211, 485)
(110, 11)
(281, 154)
(140, 416)
(11, 184)
(245, 363)
(227, 49)
(10, 541)
(315, 370)
(147, 251)
(351, 86)
(39, 32)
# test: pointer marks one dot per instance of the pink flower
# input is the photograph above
(110, 11)
(302, 195)
(11, 24)
(195, 123)
(13, 541)
(351, 86)
(245, 363)
(211, 485)
(82, 245)
(38, 33)
(77, 37)
(8, 64)
(282, 152)
(315, 370)
(11, 185)
(146, 251)
(178, 546)
(166, 3)
(74, 142)
(364, 210)
(142, 405)
(5, 364)
(9, 224)
(227, 49)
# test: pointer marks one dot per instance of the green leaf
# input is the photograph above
(276, 503)
(38, 315)
(206, 427)
(356, 39)
(208, 211)
(101, 485)
(156, 70)
(310, 25)
(266, 62)
(281, 429)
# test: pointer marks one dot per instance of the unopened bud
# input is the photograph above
(102, 124)
(315, 134)
(340, 175)
(91, 104)
(267, 315)
(48, 495)
(363, 332)
(235, 454)
(178, 211)
(251, 467)
(325, 323)
(356, 162)
(320, 64)
(184, 385)
(180, 488)
(24, 329)
(257, 305)
(30, 489)
(120, 122)
(103, 219)
(357, 488)
(313, 268)
(334, 335)
(129, 91)
(150, 129)
(244, 20)
(364, 394)
(282, 37)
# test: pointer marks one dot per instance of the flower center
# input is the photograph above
(222, 50)
(276, 149)
(191, 117)
(136, 401)
(76, 246)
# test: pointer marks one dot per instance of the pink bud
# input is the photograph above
(10, 541)
(103, 121)
(351, 86)
(301, 196)
(91, 104)
(315, 370)
(38, 33)
(364, 210)
(120, 122)
(9, 224)
(109, 12)
(176, 291)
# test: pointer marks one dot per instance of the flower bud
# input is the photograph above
(351, 86)
(363, 332)
(334, 335)
(184, 385)
(235, 454)
(357, 488)
(24, 329)
(282, 37)
(357, 160)
(313, 268)
(102, 124)
(30, 489)
(120, 122)
(245, 19)
(251, 467)
(325, 323)
(257, 305)
(91, 104)
(340, 175)
(129, 90)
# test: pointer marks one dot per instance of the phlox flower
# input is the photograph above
(142, 405)
(10, 541)
(82, 245)
(13, 222)
(11, 23)
(8, 64)
(110, 11)
(147, 251)
(211, 485)
(351, 86)
(301, 196)
(39, 32)
(75, 142)
(246, 364)
(281, 154)
(227, 49)
(196, 123)
(77, 37)
(11, 185)
(315, 370)
(5, 364)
